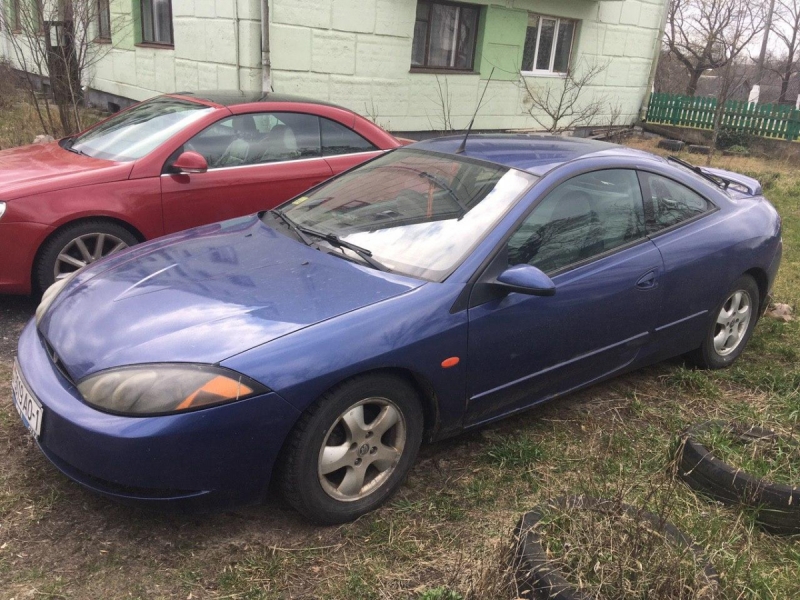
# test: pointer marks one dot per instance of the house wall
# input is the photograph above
(205, 54)
(357, 53)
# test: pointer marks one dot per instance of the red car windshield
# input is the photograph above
(133, 133)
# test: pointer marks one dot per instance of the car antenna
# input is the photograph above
(463, 145)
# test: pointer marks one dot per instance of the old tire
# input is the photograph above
(352, 449)
(776, 505)
(730, 326)
(671, 145)
(77, 245)
(534, 573)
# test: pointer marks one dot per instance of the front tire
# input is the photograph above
(731, 326)
(352, 449)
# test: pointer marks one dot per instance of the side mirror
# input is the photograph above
(526, 279)
(190, 162)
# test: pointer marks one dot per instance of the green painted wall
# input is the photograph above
(500, 43)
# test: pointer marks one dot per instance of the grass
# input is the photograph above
(776, 459)
(19, 121)
(640, 562)
(445, 535)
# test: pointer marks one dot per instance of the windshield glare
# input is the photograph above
(419, 213)
(135, 132)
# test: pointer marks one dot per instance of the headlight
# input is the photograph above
(2, 209)
(50, 294)
(157, 389)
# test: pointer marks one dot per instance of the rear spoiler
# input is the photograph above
(723, 179)
(736, 181)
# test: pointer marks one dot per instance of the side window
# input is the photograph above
(583, 217)
(668, 203)
(260, 138)
(338, 139)
(294, 136)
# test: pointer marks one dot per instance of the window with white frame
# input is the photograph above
(548, 44)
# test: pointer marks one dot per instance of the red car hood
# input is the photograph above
(41, 168)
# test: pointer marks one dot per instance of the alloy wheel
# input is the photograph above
(361, 449)
(732, 322)
(84, 250)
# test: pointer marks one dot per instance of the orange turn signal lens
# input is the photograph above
(450, 362)
(219, 388)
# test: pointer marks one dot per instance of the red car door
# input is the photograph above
(255, 162)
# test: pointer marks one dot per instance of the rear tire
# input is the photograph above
(352, 449)
(77, 245)
(730, 327)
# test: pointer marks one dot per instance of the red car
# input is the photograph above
(170, 163)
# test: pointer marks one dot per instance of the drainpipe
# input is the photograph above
(654, 65)
(266, 75)
(236, 41)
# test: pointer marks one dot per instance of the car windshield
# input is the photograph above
(417, 213)
(133, 133)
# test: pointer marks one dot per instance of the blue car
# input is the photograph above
(441, 286)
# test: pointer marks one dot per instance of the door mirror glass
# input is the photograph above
(190, 162)
(526, 279)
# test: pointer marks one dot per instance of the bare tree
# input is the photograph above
(730, 80)
(614, 120)
(561, 104)
(55, 41)
(444, 103)
(710, 34)
(785, 26)
(671, 76)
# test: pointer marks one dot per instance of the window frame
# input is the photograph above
(549, 72)
(103, 7)
(426, 68)
(648, 216)
(145, 42)
(589, 259)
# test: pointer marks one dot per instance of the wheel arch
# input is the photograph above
(420, 384)
(423, 387)
(37, 255)
(762, 281)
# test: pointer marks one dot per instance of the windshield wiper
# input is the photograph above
(446, 188)
(293, 226)
(699, 170)
(335, 240)
(68, 145)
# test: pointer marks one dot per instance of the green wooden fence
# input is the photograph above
(765, 120)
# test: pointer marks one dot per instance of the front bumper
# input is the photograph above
(18, 245)
(220, 456)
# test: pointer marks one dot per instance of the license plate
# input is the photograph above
(29, 408)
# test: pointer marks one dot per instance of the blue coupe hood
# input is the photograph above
(204, 295)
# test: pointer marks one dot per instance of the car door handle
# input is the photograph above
(647, 281)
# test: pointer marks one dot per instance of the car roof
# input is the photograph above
(535, 153)
(233, 97)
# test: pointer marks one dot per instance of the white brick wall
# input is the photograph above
(357, 53)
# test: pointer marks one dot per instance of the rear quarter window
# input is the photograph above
(668, 203)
